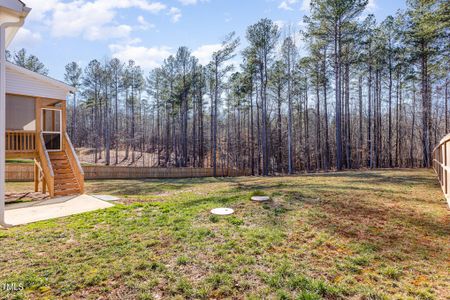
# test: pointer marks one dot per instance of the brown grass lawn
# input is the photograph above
(350, 235)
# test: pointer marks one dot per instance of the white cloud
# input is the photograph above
(280, 24)
(40, 8)
(286, 4)
(175, 14)
(302, 25)
(25, 38)
(306, 5)
(204, 52)
(148, 58)
(92, 20)
(188, 2)
(371, 6)
(153, 7)
(191, 2)
(151, 57)
(228, 17)
(144, 25)
(107, 32)
(79, 18)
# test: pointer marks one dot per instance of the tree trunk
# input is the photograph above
(216, 96)
(390, 114)
(337, 53)
(318, 127)
(279, 136)
(411, 148)
(361, 137)
(325, 108)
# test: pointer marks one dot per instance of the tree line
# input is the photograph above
(357, 94)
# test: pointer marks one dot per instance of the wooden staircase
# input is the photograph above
(65, 181)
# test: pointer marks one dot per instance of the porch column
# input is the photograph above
(3, 27)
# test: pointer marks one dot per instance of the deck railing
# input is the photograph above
(20, 141)
(441, 165)
(46, 165)
(74, 161)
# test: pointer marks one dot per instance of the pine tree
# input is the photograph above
(73, 77)
(30, 62)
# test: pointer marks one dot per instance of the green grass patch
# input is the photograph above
(357, 235)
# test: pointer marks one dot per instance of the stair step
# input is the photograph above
(60, 163)
(59, 156)
(65, 180)
(61, 166)
(67, 192)
(58, 160)
(62, 171)
(59, 176)
(56, 153)
(60, 153)
(63, 187)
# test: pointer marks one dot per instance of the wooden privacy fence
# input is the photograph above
(441, 165)
(24, 172)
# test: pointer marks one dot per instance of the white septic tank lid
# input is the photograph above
(106, 197)
(260, 198)
(222, 211)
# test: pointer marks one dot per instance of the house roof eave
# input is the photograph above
(44, 78)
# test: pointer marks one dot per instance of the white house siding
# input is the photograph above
(21, 84)
(20, 113)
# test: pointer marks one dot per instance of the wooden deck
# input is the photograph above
(20, 144)
(56, 173)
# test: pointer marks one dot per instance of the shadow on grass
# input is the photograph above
(306, 186)
(390, 228)
(218, 200)
(389, 176)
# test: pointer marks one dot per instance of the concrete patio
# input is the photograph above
(24, 213)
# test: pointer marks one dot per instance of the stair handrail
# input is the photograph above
(41, 172)
(49, 175)
(441, 165)
(47, 157)
(77, 169)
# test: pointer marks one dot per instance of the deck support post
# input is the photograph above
(36, 178)
(44, 186)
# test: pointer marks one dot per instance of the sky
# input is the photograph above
(148, 31)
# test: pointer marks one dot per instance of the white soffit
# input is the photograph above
(21, 81)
